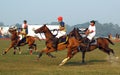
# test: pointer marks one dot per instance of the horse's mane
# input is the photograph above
(50, 31)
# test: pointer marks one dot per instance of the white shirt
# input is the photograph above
(93, 30)
(23, 25)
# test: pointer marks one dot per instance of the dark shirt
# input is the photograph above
(62, 24)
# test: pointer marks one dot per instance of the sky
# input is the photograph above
(46, 11)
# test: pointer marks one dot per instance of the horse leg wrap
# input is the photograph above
(30, 51)
(14, 52)
(64, 61)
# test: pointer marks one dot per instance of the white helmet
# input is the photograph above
(13, 27)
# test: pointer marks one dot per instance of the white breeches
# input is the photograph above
(91, 36)
(61, 33)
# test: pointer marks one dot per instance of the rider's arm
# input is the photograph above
(88, 32)
(61, 28)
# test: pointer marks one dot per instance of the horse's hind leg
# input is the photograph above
(114, 56)
(35, 46)
(30, 49)
(111, 50)
(19, 50)
(14, 50)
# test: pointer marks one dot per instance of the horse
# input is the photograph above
(52, 43)
(79, 45)
(16, 42)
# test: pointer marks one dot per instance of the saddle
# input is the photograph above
(93, 41)
(22, 41)
(63, 40)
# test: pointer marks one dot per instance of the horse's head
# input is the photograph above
(71, 34)
(75, 33)
(12, 29)
(41, 29)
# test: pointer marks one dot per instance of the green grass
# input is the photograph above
(25, 64)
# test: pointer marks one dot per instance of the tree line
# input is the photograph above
(101, 29)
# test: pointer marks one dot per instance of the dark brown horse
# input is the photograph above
(15, 42)
(52, 43)
(78, 45)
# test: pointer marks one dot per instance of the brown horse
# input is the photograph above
(78, 45)
(52, 43)
(16, 42)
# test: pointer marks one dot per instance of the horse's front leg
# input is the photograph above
(47, 51)
(7, 49)
(69, 55)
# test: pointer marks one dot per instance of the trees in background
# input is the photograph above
(103, 30)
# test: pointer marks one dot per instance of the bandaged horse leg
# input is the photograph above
(30, 49)
(19, 50)
(69, 55)
(35, 46)
(64, 61)
(15, 49)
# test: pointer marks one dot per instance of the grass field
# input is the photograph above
(25, 64)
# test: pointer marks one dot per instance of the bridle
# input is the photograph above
(53, 32)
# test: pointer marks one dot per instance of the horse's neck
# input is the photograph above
(15, 34)
(77, 36)
(48, 34)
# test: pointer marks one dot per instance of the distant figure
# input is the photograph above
(1, 31)
(91, 32)
(62, 29)
(24, 29)
(110, 36)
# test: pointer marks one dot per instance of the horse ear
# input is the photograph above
(44, 24)
(74, 28)
(77, 28)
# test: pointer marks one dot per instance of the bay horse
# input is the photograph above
(78, 45)
(16, 42)
(52, 43)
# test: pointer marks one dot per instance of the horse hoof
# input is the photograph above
(117, 57)
(53, 56)
(3, 53)
(60, 65)
(83, 62)
(20, 52)
(14, 52)
(37, 59)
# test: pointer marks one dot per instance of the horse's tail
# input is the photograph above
(110, 41)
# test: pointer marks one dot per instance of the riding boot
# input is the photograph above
(88, 44)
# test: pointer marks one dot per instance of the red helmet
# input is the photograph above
(60, 18)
